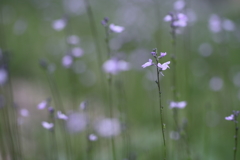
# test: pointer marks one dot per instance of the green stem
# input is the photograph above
(236, 142)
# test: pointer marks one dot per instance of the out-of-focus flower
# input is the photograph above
(181, 20)
(42, 105)
(181, 104)
(167, 18)
(76, 122)
(214, 23)
(67, 61)
(60, 115)
(92, 137)
(73, 39)
(115, 28)
(164, 66)
(230, 118)
(77, 52)
(108, 127)
(216, 83)
(228, 25)
(115, 66)
(3, 76)
(24, 112)
(47, 125)
(147, 64)
(59, 24)
(179, 5)
(83, 105)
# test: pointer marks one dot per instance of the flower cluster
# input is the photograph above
(162, 67)
(177, 20)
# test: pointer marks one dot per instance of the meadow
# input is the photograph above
(119, 80)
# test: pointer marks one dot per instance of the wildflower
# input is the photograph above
(73, 39)
(76, 122)
(60, 115)
(164, 66)
(67, 61)
(108, 127)
(59, 24)
(42, 105)
(47, 125)
(214, 23)
(115, 28)
(92, 137)
(179, 5)
(24, 112)
(3, 76)
(167, 18)
(147, 64)
(181, 104)
(77, 52)
(114, 66)
(230, 118)
(162, 54)
(181, 20)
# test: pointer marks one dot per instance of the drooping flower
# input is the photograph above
(164, 66)
(230, 118)
(181, 104)
(115, 28)
(47, 125)
(147, 64)
(60, 115)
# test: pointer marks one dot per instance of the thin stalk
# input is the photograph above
(236, 141)
(161, 112)
(110, 91)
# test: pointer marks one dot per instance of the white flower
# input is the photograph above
(115, 28)
(60, 115)
(230, 118)
(164, 66)
(47, 125)
(147, 64)
(181, 104)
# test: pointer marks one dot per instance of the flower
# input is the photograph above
(60, 115)
(164, 66)
(42, 105)
(167, 18)
(67, 61)
(108, 127)
(162, 54)
(59, 24)
(47, 125)
(230, 118)
(181, 20)
(114, 66)
(92, 137)
(115, 28)
(181, 104)
(147, 64)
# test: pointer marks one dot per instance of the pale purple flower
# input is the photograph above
(214, 23)
(67, 61)
(77, 122)
(230, 118)
(115, 28)
(77, 52)
(167, 18)
(60, 115)
(147, 64)
(115, 66)
(42, 105)
(3, 76)
(73, 39)
(164, 66)
(47, 125)
(92, 137)
(108, 127)
(181, 21)
(181, 104)
(24, 112)
(179, 5)
(59, 24)
(228, 25)
(162, 54)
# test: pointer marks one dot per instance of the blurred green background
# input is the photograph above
(208, 74)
